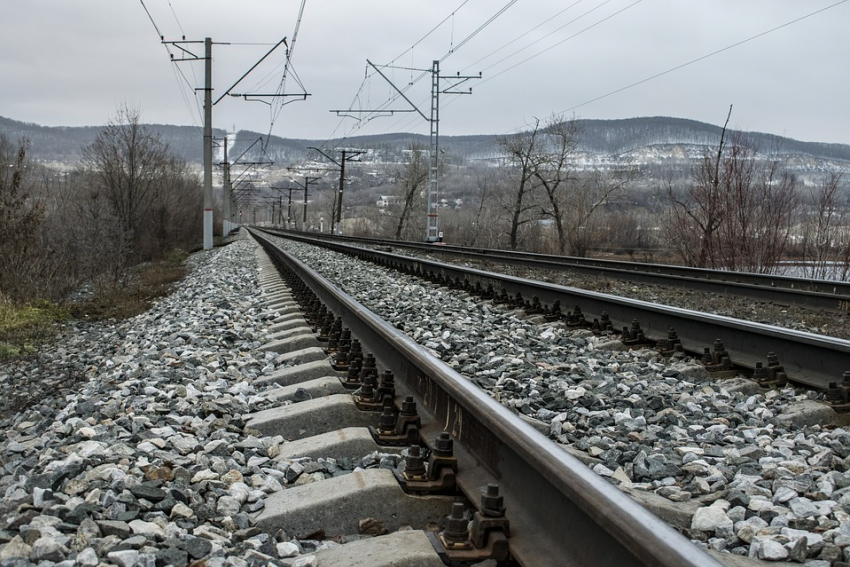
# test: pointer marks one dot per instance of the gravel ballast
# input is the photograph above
(124, 443)
(759, 482)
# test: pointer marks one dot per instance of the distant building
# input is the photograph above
(387, 200)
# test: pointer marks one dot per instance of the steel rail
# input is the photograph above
(561, 512)
(809, 359)
(784, 290)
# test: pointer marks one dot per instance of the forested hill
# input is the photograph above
(604, 137)
(66, 143)
(617, 136)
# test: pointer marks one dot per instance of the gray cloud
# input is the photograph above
(74, 63)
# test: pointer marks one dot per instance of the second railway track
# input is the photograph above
(772, 353)
(784, 290)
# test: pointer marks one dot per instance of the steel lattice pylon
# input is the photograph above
(433, 226)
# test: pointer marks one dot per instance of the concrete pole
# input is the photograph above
(208, 197)
(335, 229)
(225, 200)
(289, 211)
(304, 222)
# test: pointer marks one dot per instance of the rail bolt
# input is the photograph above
(443, 445)
(414, 464)
(386, 423)
(408, 406)
(492, 503)
(833, 394)
(456, 533)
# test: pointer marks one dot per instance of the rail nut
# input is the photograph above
(456, 534)
(408, 406)
(833, 394)
(443, 445)
(386, 423)
(400, 430)
(492, 503)
(414, 464)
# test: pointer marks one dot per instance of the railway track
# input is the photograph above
(781, 290)
(558, 511)
(214, 430)
(772, 354)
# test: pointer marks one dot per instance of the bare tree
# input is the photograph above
(697, 215)
(22, 215)
(412, 178)
(738, 211)
(129, 166)
(522, 156)
(554, 172)
(825, 234)
(581, 223)
(761, 200)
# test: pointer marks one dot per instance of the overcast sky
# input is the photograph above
(73, 63)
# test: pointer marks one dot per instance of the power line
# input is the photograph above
(364, 120)
(522, 35)
(178, 71)
(424, 37)
(692, 61)
(477, 31)
(176, 19)
(553, 46)
(274, 113)
(677, 67)
(409, 119)
(383, 107)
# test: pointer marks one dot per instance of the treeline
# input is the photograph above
(131, 201)
(738, 208)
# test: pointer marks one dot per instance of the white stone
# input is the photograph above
(87, 558)
(772, 550)
(306, 561)
(287, 549)
(205, 474)
(180, 510)
(148, 529)
(15, 548)
(709, 519)
(602, 470)
(227, 506)
(124, 558)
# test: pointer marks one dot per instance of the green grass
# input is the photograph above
(24, 327)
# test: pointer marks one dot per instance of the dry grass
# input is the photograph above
(23, 328)
(147, 282)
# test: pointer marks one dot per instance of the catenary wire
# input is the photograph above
(698, 59)
(178, 70)
(522, 35)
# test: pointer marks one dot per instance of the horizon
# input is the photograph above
(408, 133)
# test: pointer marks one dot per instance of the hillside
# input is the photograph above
(663, 137)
